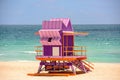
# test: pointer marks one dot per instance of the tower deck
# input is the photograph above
(61, 58)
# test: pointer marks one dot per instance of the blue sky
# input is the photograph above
(79, 11)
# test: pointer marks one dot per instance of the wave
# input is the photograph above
(2, 54)
(29, 52)
(107, 43)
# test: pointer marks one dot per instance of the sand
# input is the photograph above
(19, 71)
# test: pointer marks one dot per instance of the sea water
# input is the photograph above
(103, 42)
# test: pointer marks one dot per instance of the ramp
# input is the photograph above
(88, 65)
(84, 66)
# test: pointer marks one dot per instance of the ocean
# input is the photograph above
(103, 42)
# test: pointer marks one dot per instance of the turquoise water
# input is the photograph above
(103, 42)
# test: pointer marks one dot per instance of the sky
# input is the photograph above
(79, 11)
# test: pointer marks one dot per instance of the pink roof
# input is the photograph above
(46, 33)
(64, 20)
(58, 23)
(52, 25)
(55, 42)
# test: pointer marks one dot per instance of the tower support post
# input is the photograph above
(39, 68)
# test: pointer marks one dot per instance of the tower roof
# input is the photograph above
(58, 23)
(66, 21)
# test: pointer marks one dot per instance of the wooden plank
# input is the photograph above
(76, 46)
(62, 59)
(36, 33)
(56, 59)
(49, 74)
(76, 51)
(81, 33)
(38, 51)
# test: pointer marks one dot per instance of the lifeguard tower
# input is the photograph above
(58, 54)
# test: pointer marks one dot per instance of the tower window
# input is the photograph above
(49, 39)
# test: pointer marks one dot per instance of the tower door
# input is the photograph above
(55, 51)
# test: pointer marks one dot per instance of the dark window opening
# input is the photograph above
(49, 39)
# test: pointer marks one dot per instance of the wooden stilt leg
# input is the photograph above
(39, 69)
(83, 67)
(73, 70)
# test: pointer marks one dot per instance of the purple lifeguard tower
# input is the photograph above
(58, 52)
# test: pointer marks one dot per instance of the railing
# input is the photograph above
(38, 50)
(75, 50)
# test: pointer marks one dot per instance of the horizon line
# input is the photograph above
(72, 24)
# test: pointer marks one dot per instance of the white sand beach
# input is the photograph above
(19, 71)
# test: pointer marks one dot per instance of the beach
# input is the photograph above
(14, 70)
